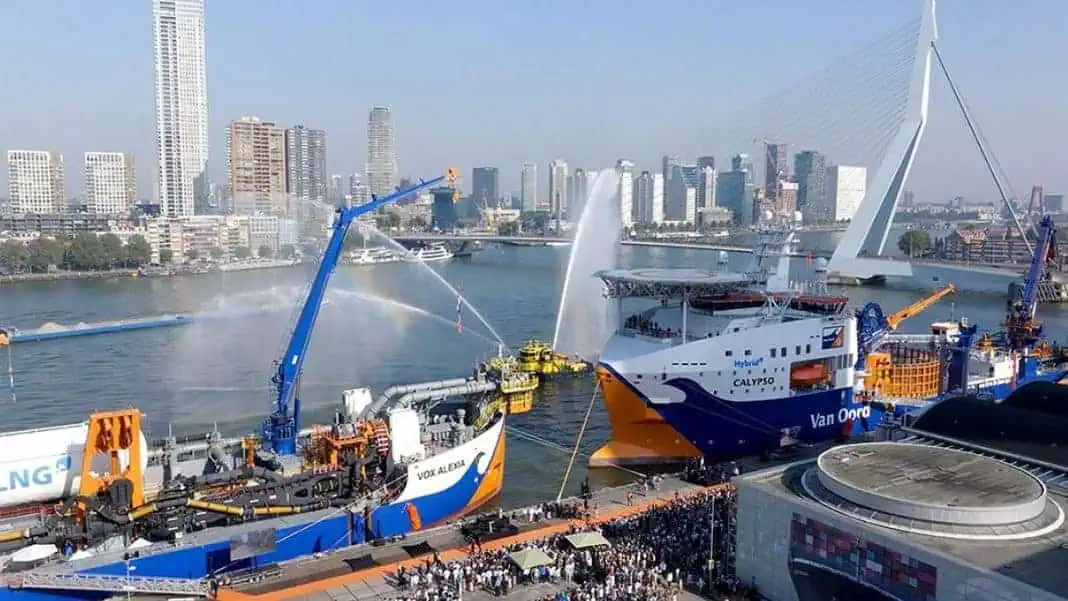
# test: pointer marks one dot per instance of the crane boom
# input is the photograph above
(282, 427)
(895, 318)
(1038, 262)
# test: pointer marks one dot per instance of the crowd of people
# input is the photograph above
(651, 556)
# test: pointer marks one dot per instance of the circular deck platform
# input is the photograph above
(932, 490)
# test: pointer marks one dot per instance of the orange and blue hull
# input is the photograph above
(444, 487)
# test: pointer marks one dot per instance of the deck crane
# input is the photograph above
(1020, 326)
(282, 427)
(873, 324)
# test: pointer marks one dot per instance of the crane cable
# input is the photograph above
(578, 440)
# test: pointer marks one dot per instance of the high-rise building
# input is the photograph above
(649, 198)
(36, 181)
(625, 169)
(336, 192)
(528, 187)
(680, 196)
(845, 190)
(443, 210)
(776, 170)
(577, 190)
(732, 193)
(358, 193)
(181, 106)
(110, 182)
(786, 202)
(706, 186)
(742, 162)
(306, 167)
(256, 167)
(810, 172)
(558, 201)
(706, 161)
(485, 187)
(381, 152)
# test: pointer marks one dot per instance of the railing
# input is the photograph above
(106, 583)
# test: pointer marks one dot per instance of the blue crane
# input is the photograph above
(282, 427)
(1020, 324)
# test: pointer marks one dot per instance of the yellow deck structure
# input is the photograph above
(537, 357)
(515, 388)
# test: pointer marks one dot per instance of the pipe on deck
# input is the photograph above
(404, 389)
(472, 387)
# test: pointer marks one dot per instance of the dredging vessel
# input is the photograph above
(96, 500)
(734, 364)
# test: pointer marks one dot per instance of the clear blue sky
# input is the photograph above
(482, 82)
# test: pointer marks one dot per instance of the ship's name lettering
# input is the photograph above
(823, 420)
(441, 470)
(41, 475)
(753, 382)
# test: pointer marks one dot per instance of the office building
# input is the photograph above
(742, 162)
(256, 167)
(732, 193)
(649, 198)
(443, 210)
(577, 190)
(776, 170)
(786, 202)
(381, 153)
(681, 201)
(625, 169)
(305, 159)
(845, 190)
(706, 161)
(706, 186)
(528, 187)
(181, 106)
(485, 187)
(110, 182)
(36, 183)
(810, 172)
(558, 201)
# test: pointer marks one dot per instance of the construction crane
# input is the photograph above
(873, 324)
(1021, 328)
(895, 319)
(282, 427)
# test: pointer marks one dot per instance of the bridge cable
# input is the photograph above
(578, 440)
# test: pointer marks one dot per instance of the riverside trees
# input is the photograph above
(83, 252)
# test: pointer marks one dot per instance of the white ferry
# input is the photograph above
(430, 253)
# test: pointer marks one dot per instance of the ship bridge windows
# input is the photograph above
(772, 353)
(728, 353)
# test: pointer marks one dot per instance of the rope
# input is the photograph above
(11, 373)
(578, 440)
(558, 447)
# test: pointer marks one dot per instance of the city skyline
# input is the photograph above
(614, 122)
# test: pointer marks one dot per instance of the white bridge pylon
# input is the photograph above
(867, 232)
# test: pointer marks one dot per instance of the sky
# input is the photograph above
(483, 82)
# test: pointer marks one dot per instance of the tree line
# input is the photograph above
(82, 252)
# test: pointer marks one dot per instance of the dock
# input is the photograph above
(367, 572)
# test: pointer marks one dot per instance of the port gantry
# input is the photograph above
(282, 427)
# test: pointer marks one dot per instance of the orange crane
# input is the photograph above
(894, 319)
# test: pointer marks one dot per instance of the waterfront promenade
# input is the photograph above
(332, 577)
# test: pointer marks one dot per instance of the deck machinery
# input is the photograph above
(268, 478)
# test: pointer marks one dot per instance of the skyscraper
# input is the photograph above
(649, 198)
(485, 186)
(110, 186)
(577, 190)
(306, 166)
(36, 181)
(810, 169)
(776, 170)
(256, 167)
(625, 169)
(528, 187)
(381, 153)
(742, 162)
(558, 201)
(181, 106)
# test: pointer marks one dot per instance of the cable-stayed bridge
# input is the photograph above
(869, 110)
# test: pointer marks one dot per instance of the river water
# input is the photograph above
(216, 372)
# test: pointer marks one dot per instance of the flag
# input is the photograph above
(459, 314)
